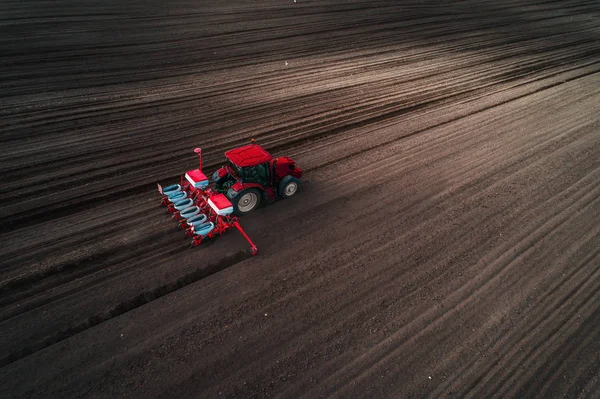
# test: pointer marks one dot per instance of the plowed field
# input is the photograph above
(445, 242)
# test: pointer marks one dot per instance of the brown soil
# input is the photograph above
(446, 241)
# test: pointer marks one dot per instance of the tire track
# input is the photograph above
(387, 350)
(123, 307)
(580, 274)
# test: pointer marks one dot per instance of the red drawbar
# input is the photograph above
(248, 156)
(220, 201)
(196, 175)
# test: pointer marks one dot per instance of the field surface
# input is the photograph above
(445, 242)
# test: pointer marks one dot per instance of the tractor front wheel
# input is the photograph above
(288, 186)
(246, 201)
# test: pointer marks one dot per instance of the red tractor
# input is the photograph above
(252, 175)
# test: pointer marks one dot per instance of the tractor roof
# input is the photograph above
(248, 155)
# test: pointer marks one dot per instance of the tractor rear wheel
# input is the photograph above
(246, 201)
(288, 186)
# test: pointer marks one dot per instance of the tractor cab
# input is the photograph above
(250, 163)
(252, 174)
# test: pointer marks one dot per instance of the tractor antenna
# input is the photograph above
(199, 152)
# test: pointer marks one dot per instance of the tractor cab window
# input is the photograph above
(257, 174)
(262, 171)
(236, 169)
